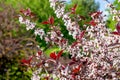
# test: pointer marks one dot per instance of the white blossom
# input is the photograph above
(40, 32)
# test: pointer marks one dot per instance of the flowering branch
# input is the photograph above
(91, 55)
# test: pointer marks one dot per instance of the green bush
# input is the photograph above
(15, 43)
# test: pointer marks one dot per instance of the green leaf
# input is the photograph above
(18, 73)
(54, 49)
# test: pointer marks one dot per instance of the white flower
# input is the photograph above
(65, 71)
(65, 17)
(53, 35)
(52, 3)
(40, 32)
(85, 48)
(46, 65)
(30, 25)
(114, 11)
(35, 75)
(118, 1)
(74, 34)
(54, 76)
(46, 39)
(63, 78)
(21, 19)
(27, 22)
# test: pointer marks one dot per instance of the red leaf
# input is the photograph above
(53, 55)
(74, 59)
(82, 17)
(76, 70)
(95, 14)
(51, 20)
(73, 12)
(27, 12)
(30, 58)
(59, 54)
(73, 76)
(118, 27)
(26, 62)
(73, 9)
(82, 34)
(72, 62)
(39, 52)
(116, 33)
(63, 41)
(74, 44)
(93, 23)
(63, 67)
(45, 22)
(56, 40)
(79, 37)
(22, 10)
(32, 15)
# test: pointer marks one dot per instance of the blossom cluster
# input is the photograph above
(94, 55)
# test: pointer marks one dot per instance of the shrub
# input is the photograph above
(94, 54)
(14, 44)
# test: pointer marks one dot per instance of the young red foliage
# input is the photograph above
(26, 62)
(79, 37)
(74, 44)
(49, 21)
(63, 41)
(27, 12)
(39, 52)
(72, 62)
(95, 14)
(76, 70)
(93, 23)
(63, 67)
(22, 10)
(45, 22)
(32, 15)
(59, 54)
(82, 17)
(53, 55)
(118, 27)
(115, 33)
(73, 9)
